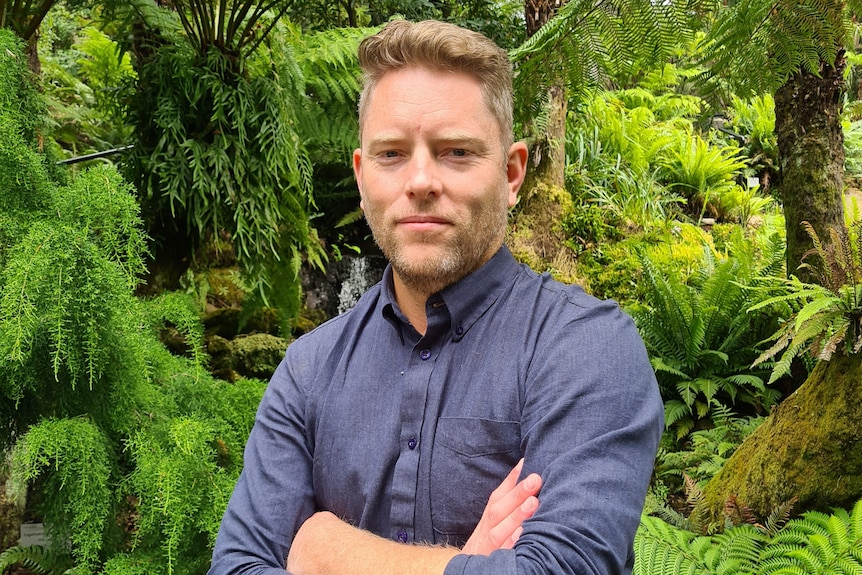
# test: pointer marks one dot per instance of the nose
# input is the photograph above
(423, 177)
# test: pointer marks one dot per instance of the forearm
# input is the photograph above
(352, 551)
(359, 552)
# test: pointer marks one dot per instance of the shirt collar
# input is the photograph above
(468, 299)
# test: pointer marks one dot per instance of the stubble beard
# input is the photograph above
(474, 242)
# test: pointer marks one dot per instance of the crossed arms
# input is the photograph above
(360, 552)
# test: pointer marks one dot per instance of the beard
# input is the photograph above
(476, 238)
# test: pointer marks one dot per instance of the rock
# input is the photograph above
(255, 355)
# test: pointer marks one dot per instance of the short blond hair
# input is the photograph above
(439, 46)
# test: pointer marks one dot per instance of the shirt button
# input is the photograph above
(402, 536)
(412, 443)
(459, 330)
(425, 354)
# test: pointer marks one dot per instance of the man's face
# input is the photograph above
(434, 178)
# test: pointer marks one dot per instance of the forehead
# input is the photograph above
(422, 99)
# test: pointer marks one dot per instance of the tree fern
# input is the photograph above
(587, 41)
(758, 44)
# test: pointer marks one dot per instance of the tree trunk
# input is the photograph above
(548, 154)
(811, 157)
(809, 447)
(536, 236)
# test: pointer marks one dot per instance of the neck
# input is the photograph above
(412, 303)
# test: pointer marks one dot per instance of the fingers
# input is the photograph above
(508, 484)
(508, 502)
(505, 534)
(509, 505)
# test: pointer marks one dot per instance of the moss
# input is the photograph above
(810, 447)
(255, 355)
(536, 236)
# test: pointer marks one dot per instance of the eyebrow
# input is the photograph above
(450, 138)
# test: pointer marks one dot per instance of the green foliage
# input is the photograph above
(853, 148)
(78, 455)
(755, 45)
(813, 544)
(88, 86)
(587, 42)
(701, 340)
(21, 167)
(755, 118)
(129, 453)
(328, 124)
(38, 559)
(63, 282)
(829, 314)
(706, 451)
(704, 174)
(217, 150)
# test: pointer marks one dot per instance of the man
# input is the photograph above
(383, 434)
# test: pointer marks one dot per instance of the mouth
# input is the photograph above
(423, 220)
(423, 224)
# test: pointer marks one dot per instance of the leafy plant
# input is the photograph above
(755, 118)
(38, 559)
(586, 43)
(701, 340)
(706, 450)
(127, 457)
(704, 174)
(813, 544)
(829, 316)
(221, 154)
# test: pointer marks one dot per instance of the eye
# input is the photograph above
(390, 154)
(459, 152)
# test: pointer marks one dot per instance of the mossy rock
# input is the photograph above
(536, 236)
(255, 356)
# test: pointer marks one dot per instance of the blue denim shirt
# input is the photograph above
(407, 435)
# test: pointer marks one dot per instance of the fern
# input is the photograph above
(829, 314)
(36, 558)
(221, 154)
(588, 41)
(758, 44)
(813, 544)
(700, 339)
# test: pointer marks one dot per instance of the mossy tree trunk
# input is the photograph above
(811, 157)
(536, 235)
(809, 447)
(547, 156)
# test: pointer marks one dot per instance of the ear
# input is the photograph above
(516, 169)
(357, 173)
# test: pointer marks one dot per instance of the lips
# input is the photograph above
(423, 220)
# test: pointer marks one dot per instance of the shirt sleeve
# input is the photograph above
(274, 494)
(592, 419)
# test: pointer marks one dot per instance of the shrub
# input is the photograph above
(129, 452)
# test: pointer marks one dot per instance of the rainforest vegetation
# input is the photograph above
(174, 174)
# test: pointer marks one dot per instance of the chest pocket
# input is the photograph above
(469, 460)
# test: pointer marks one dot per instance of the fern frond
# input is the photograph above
(779, 516)
(588, 41)
(36, 558)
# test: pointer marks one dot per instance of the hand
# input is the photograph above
(509, 506)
